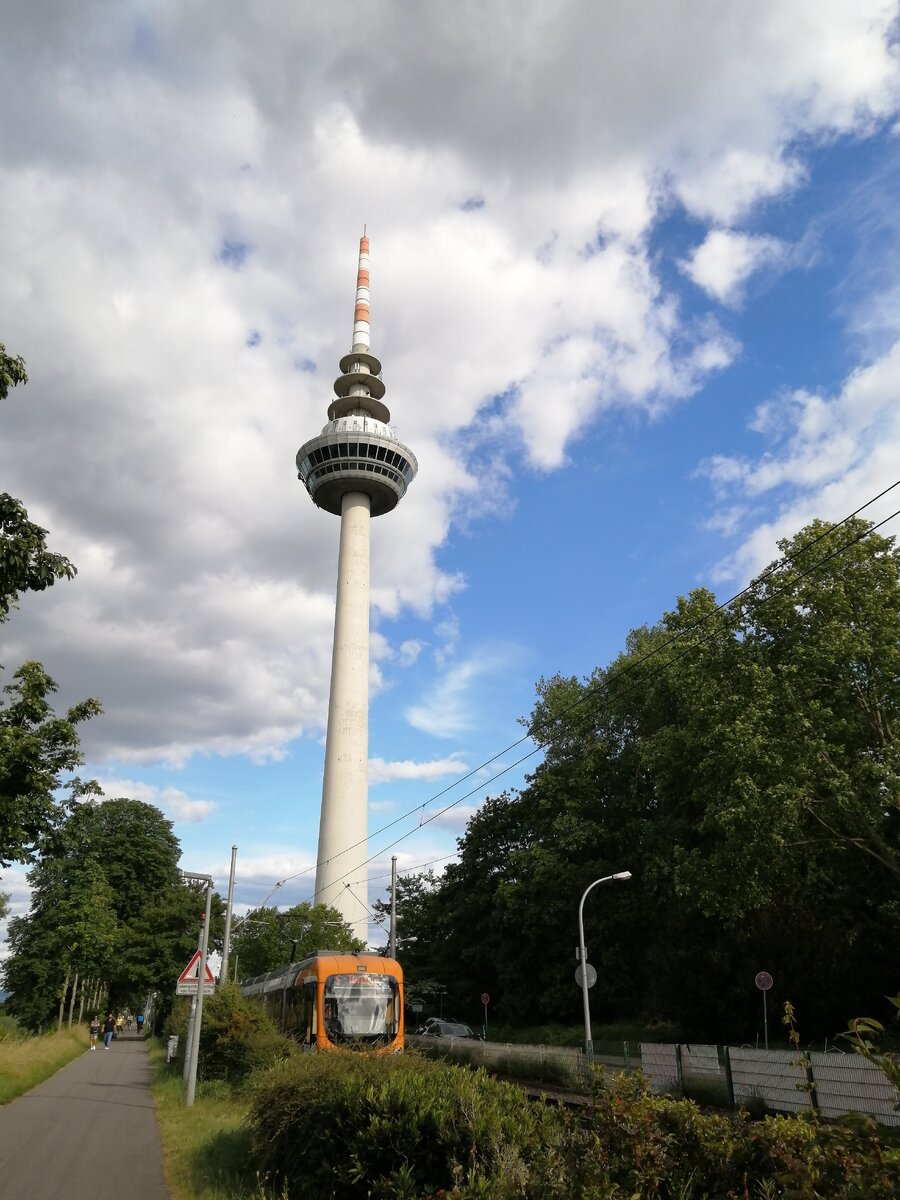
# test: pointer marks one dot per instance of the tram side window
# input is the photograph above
(273, 1007)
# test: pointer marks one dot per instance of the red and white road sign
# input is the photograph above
(189, 978)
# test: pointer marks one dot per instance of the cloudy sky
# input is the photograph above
(635, 287)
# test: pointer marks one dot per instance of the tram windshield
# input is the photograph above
(360, 1008)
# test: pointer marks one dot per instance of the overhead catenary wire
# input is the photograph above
(589, 694)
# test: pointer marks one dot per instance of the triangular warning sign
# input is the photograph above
(191, 972)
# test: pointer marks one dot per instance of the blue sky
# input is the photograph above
(635, 290)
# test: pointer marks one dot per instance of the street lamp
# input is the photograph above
(197, 1013)
(582, 954)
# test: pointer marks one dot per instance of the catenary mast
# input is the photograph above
(357, 469)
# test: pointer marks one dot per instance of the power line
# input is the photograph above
(590, 693)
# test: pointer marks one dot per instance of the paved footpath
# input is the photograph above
(87, 1133)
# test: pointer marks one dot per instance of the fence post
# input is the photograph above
(679, 1070)
(625, 1048)
(729, 1082)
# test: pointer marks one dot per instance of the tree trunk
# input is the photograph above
(62, 1003)
(72, 1001)
(84, 988)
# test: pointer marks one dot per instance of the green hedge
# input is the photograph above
(236, 1036)
(345, 1126)
(341, 1125)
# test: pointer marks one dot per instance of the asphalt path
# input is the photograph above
(87, 1133)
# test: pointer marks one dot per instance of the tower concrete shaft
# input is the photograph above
(356, 468)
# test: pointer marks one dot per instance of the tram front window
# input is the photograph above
(360, 1008)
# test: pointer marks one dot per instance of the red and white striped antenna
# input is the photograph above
(361, 312)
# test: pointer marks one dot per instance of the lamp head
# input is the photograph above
(622, 875)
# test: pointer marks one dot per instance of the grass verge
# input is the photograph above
(205, 1147)
(27, 1061)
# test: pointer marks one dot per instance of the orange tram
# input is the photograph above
(335, 1000)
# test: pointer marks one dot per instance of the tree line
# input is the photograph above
(742, 761)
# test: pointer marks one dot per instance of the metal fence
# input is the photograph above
(562, 1065)
(778, 1080)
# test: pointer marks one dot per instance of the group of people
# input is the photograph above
(114, 1025)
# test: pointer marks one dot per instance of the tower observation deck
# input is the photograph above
(356, 468)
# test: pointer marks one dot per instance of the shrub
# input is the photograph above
(653, 1146)
(336, 1125)
(236, 1037)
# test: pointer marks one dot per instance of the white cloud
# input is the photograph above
(409, 651)
(456, 698)
(386, 772)
(826, 455)
(14, 884)
(456, 818)
(176, 804)
(177, 190)
(723, 263)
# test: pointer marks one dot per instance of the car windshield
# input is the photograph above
(453, 1029)
(360, 1008)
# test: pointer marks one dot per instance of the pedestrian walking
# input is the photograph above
(109, 1028)
(94, 1031)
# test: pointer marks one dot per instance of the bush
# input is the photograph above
(345, 1126)
(653, 1146)
(336, 1125)
(236, 1036)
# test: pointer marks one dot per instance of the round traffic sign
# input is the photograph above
(590, 975)
(485, 998)
(764, 981)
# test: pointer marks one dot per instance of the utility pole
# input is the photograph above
(392, 945)
(201, 980)
(189, 1036)
(223, 971)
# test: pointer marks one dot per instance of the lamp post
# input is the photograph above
(582, 954)
(201, 980)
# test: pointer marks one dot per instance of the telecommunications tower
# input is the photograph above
(357, 469)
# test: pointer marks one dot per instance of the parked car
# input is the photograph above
(436, 1027)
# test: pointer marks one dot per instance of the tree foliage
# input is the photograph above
(37, 749)
(108, 903)
(269, 937)
(12, 372)
(743, 763)
(26, 565)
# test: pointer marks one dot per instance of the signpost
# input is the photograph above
(590, 974)
(485, 1000)
(204, 978)
(189, 979)
(764, 981)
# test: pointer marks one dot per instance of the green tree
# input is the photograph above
(268, 937)
(107, 901)
(743, 763)
(26, 565)
(12, 372)
(37, 749)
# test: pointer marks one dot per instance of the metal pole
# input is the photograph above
(201, 979)
(582, 957)
(582, 952)
(392, 947)
(188, 1039)
(189, 1035)
(223, 970)
(766, 1020)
